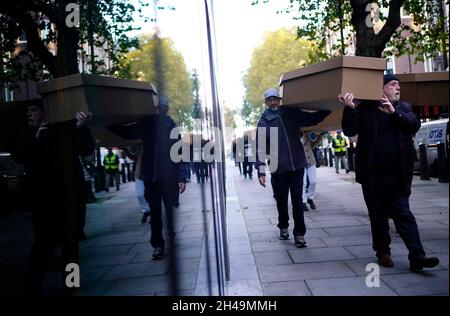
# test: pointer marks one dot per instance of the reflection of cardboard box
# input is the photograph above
(317, 87)
(428, 88)
(111, 100)
(108, 139)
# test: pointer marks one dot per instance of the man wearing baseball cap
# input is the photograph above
(290, 159)
(384, 167)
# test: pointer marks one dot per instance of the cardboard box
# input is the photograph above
(428, 88)
(111, 100)
(331, 123)
(317, 87)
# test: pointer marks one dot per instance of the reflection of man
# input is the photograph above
(56, 187)
(384, 167)
(162, 177)
(291, 160)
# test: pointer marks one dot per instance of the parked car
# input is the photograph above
(431, 134)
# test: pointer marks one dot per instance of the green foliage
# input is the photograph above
(229, 118)
(427, 37)
(280, 52)
(158, 62)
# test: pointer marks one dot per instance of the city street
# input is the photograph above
(116, 256)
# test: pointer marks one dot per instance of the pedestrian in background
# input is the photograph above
(340, 151)
(111, 163)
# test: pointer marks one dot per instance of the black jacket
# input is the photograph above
(291, 155)
(55, 175)
(363, 122)
(157, 164)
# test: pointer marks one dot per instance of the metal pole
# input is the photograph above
(442, 163)
(217, 186)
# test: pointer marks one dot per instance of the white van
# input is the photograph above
(431, 134)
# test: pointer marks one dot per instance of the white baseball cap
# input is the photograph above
(271, 93)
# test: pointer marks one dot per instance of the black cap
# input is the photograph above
(388, 78)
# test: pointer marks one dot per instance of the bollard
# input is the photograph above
(442, 163)
(330, 156)
(350, 157)
(424, 168)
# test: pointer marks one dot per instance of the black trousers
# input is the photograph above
(385, 197)
(48, 233)
(155, 193)
(282, 184)
(248, 168)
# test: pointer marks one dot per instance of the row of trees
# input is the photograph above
(375, 26)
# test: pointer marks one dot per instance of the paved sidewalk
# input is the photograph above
(116, 256)
(339, 241)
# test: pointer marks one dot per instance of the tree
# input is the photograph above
(54, 39)
(427, 36)
(197, 111)
(157, 61)
(278, 53)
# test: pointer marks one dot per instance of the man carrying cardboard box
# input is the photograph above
(384, 167)
(163, 178)
(291, 163)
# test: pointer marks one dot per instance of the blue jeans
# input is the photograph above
(386, 197)
(282, 184)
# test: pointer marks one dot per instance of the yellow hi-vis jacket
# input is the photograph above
(111, 163)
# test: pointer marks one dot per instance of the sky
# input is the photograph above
(239, 29)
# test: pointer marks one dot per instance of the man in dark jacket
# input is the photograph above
(384, 167)
(289, 157)
(51, 154)
(163, 178)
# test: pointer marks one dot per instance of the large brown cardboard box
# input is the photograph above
(331, 123)
(317, 87)
(111, 100)
(428, 88)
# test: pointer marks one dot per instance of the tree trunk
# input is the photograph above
(67, 41)
(368, 43)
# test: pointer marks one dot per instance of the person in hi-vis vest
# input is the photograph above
(111, 163)
(340, 151)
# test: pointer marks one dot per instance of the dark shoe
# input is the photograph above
(347, 171)
(144, 217)
(284, 234)
(158, 253)
(304, 207)
(385, 261)
(422, 262)
(311, 204)
(300, 242)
